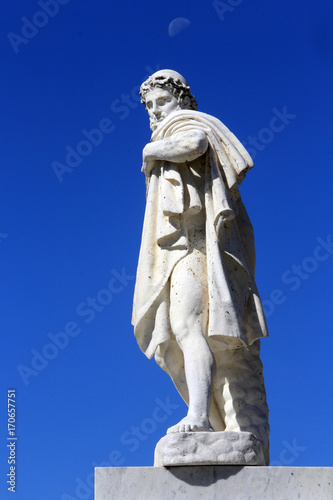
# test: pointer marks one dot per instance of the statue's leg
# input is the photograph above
(188, 318)
(239, 389)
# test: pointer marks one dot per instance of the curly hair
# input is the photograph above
(179, 90)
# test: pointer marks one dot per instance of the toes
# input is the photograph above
(189, 427)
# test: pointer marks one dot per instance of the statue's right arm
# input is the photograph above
(179, 148)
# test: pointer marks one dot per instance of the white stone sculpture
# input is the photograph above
(196, 304)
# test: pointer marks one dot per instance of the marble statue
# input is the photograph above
(196, 304)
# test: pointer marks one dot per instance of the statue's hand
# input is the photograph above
(147, 152)
(148, 163)
(148, 166)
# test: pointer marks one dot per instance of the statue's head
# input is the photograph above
(164, 92)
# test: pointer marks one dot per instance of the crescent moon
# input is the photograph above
(178, 25)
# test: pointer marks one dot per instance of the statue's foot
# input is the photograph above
(191, 424)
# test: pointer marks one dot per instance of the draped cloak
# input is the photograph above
(235, 312)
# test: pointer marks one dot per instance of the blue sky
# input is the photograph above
(72, 206)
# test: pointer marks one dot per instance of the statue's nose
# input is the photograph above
(156, 109)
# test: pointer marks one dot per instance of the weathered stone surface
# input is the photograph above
(214, 482)
(209, 448)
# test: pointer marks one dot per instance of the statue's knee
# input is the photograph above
(180, 330)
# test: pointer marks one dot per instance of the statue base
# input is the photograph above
(209, 448)
(207, 482)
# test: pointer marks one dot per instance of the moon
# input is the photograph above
(178, 25)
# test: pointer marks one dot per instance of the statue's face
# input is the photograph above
(159, 103)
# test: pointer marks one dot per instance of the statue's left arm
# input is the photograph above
(179, 148)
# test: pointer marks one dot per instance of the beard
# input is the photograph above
(155, 122)
(153, 125)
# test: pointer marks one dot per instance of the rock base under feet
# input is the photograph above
(209, 448)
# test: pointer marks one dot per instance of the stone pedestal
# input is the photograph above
(214, 482)
(209, 448)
